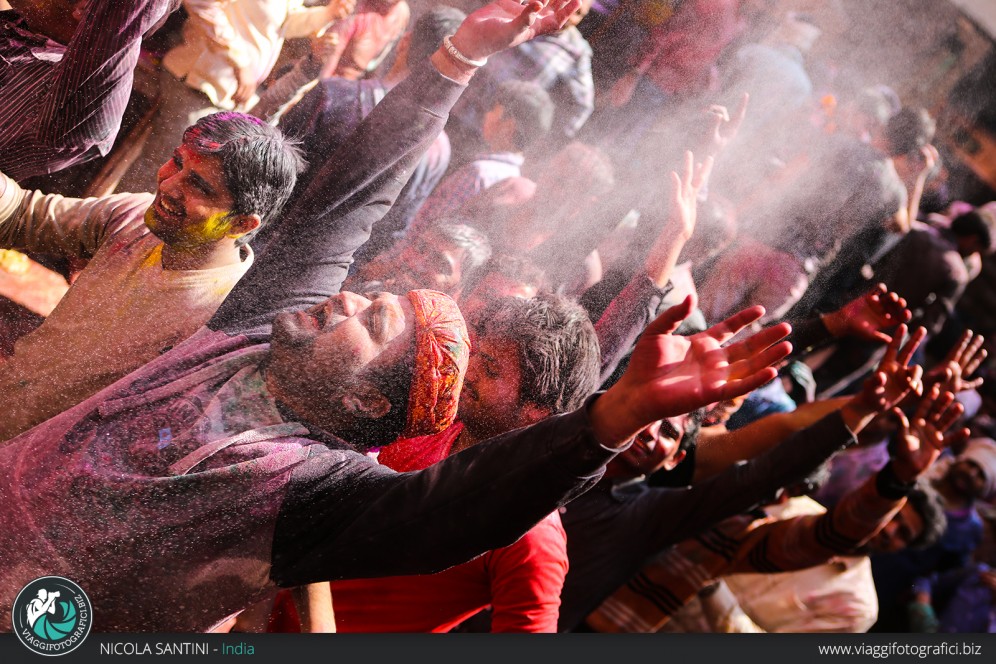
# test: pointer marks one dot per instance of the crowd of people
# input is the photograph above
(560, 315)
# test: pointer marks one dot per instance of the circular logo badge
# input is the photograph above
(52, 615)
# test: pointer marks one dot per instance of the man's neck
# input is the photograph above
(466, 439)
(204, 257)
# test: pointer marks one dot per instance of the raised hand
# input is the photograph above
(680, 224)
(921, 441)
(506, 23)
(889, 384)
(867, 317)
(966, 356)
(724, 128)
(686, 194)
(669, 375)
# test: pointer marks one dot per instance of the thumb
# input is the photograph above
(904, 423)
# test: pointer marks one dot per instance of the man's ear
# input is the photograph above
(244, 223)
(365, 401)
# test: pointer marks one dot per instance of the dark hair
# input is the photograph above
(430, 28)
(559, 358)
(927, 503)
(395, 383)
(690, 438)
(531, 108)
(977, 223)
(909, 130)
(260, 164)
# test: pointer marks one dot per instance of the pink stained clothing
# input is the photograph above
(521, 582)
(366, 37)
(172, 499)
(679, 55)
(749, 274)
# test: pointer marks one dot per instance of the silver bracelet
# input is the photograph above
(452, 50)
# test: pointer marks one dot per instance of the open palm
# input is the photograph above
(921, 441)
(506, 23)
(669, 375)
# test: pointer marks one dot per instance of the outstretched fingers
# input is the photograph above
(892, 350)
(559, 12)
(753, 361)
(758, 342)
(732, 389)
(950, 415)
(906, 352)
(958, 352)
(727, 329)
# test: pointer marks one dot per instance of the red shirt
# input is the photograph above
(521, 582)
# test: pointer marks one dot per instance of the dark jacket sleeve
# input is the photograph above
(624, 320)
(346, 517)
(305, 260)
(675, 515)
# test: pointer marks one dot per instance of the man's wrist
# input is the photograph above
(452, 68)
(856, 415)
(460, 56)
(610, 424)
(469, 47)
(893, 484)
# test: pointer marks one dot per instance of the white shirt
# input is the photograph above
(222, 35)
(122, 312)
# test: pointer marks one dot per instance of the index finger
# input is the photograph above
(892, 349)
(727, 329)
(906, 353)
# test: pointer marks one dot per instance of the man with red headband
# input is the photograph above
(194, 486)
(167, 262)
(218, 472)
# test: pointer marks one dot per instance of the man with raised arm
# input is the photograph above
(218, 471)
(230, 175)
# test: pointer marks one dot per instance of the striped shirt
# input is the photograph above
(62, 105)
(748, 543)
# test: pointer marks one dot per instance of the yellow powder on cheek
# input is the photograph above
(213, 228)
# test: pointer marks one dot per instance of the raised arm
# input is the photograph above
(305, 260)
(633, 309)
(87, 98)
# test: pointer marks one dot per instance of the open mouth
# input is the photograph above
(167, 209)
